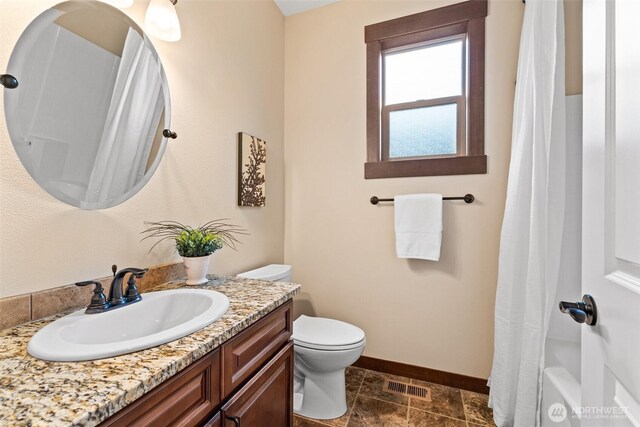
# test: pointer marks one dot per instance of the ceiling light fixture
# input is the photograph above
(161, 20)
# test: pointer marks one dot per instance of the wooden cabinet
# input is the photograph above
(249, 377)
(266, 400)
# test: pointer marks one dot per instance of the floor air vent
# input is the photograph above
(408, 390)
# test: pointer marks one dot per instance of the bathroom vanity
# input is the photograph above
(236, 371)
(261, 354)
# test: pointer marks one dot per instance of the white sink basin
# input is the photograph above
(159, 318)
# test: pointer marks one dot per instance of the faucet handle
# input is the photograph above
(132, 294)
(98, 300)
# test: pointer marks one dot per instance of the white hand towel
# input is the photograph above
(418, 219)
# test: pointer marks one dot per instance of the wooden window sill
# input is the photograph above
(462, 165)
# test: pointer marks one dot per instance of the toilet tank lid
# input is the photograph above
(325, 332)
(271, 272)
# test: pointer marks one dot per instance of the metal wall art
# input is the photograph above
(252, 168)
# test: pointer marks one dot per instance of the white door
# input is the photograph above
(611, 212)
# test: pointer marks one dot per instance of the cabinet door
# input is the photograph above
(267, 399)
(246, 353)
(184, 400)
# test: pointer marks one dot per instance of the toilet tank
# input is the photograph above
(272, 273)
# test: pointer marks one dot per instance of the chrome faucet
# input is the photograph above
(100, 303)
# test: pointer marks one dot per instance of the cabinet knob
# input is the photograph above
(236, 420)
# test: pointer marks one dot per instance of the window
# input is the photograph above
(423, 111)
(425, 93)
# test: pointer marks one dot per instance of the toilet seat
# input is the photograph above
(318, 333)
(329, 347)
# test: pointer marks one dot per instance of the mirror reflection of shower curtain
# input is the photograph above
(131, 124)
(532, 229)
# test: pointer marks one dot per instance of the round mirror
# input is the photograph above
(88, 116)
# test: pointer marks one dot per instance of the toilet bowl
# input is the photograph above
(323, 349)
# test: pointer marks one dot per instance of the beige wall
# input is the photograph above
(225, 75)
(434, 314)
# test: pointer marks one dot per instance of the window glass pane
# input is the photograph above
(425, 131)
(423, 73)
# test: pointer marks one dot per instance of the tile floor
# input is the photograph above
(369, 405)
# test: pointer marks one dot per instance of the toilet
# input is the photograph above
(323, 349)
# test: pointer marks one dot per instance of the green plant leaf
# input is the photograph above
(194, 242)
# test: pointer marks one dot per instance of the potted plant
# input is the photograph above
(195, 244)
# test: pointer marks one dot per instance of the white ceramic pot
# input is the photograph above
(197, 268)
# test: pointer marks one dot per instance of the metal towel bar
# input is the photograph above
(468, 198)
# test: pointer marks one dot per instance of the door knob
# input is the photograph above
(584, 311)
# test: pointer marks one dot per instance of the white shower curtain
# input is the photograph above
(532, 228)
(136, 106)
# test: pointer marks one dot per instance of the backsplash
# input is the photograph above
(24, 308)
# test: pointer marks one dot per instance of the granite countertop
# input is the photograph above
(38, 393)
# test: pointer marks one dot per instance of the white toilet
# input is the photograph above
(323, 349)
